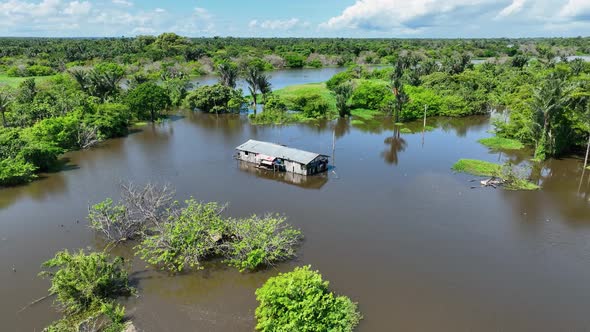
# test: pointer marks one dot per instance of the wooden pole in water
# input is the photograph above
(587, 151)
(425, 108)
(333, 146)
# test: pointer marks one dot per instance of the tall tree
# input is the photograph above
(343, 94)
(397, 87)
(228, 74)
(257, 81)
(148, 97)
(547, 104)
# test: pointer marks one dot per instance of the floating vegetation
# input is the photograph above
(500, 143)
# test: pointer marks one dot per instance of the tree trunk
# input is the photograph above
(587, 151)
(152, 114)
(3, 119)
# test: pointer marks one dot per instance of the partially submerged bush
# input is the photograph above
(260, 241)
(175, 237)
(139, 209)
(86, 286)
(187, 238)
(301, 301)
(512, 178)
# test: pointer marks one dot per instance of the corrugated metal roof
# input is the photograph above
(279, 151)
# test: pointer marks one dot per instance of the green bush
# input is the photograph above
(215, 99)
(339, 78)
(111, 119)
(261, 242)
(373, 95)
(301, 301)
(187, 239)
(294, 60)
(312, 106)
(420, 97)
(15, 171)
(86, 286)
(84, 280)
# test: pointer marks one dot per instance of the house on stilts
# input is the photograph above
(281, 158)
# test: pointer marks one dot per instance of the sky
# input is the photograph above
(297, 18)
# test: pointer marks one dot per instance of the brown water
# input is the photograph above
(390, 226)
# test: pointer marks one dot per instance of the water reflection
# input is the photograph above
(396, 144)
(306, 182)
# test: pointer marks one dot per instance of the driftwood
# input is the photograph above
(492, 182)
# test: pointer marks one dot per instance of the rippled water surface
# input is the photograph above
(390, 226)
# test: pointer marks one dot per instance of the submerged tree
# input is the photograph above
(228, 74)
(147, 100)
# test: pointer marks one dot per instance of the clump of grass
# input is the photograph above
(405, 130)
(140, 123)
(357, 122)
(500, 143)
(399, 124)
(476, 167)
(429, 128)
(512, 180)
(364, 114)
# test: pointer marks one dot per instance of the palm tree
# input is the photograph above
(251, 74)
(264, 86)
(228, 74)
(343, 94)
(548, 102)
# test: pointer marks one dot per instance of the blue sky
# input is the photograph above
(300, 18)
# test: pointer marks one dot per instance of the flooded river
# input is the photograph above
(390, 226)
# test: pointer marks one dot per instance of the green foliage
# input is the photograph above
(477, 167)
(294, 60)
(215, 99)
(197, 232)
(261, 242)
(514, 179)
(338, 79)
(187, 239)
(372, 94)
(312, 106)
(15, 171)
(301, 301)
(421, 97)
(81, 280)
(275, 112)
(86, 286)
(343, 94)
(500, 143)
(111, 119)
(147, 101)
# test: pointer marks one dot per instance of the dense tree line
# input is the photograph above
(45, 56)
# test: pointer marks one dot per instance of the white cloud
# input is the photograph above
(124, 3)
(514, 8)
(407, 15)
(78, 8)
(576, 9)
(199, 22)
(287, 24)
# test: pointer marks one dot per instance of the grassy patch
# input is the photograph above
(406, 131)
(357, 122)
(477, 167)
(399, 124)
(140, 124)
(512, 180)
(500, 143)
(291, 93)
(14, 81)
(364, 114)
